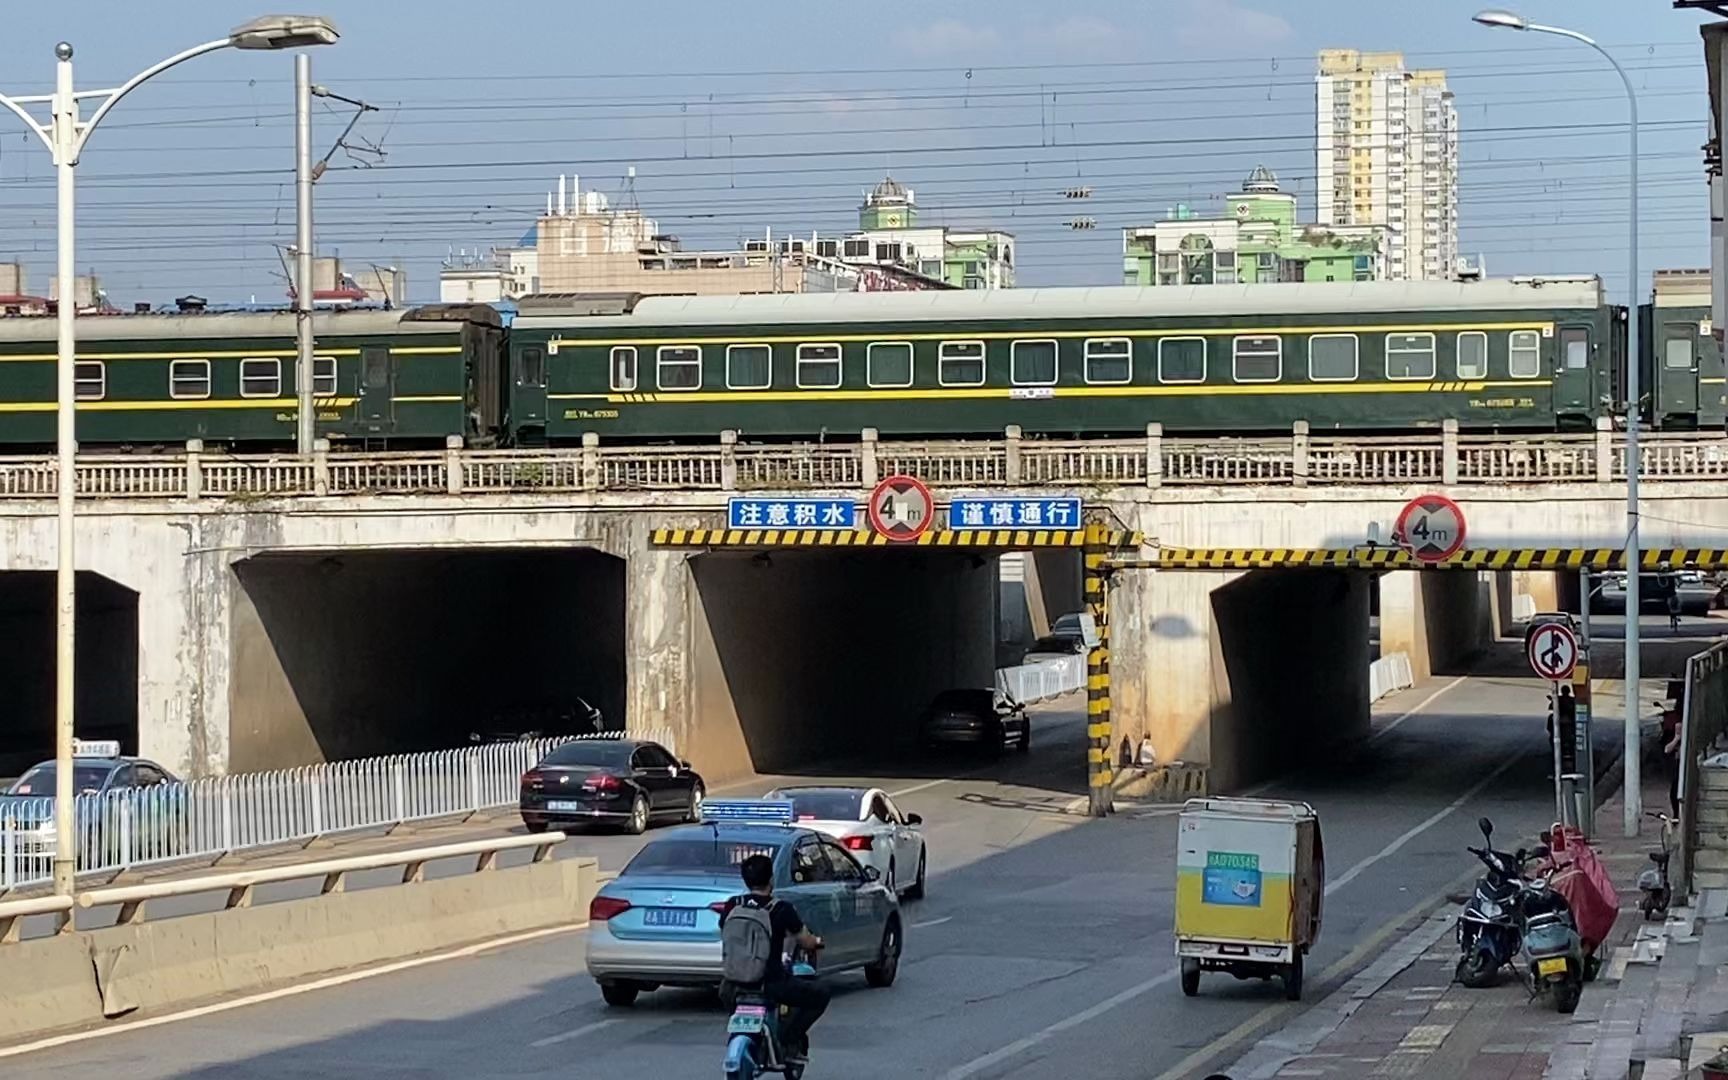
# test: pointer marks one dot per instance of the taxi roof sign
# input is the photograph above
(748, 812)
(95, 748)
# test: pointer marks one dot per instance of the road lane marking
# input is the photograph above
(288, 991)
(1423, 704)
(932, 922)
(577, 1033)
(995, 1057)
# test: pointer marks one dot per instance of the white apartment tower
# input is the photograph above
(1388, 155)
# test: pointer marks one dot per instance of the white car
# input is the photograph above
(866, 823)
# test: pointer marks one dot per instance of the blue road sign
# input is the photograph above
(774, 512)
(996, 512)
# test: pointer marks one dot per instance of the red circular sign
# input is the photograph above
(901, 509)
(1553, 652)
(1431, 528)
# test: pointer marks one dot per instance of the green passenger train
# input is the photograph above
(1496, 355)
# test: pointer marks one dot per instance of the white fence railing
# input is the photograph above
(1043, 681)
(219, 814)
(1389, 674)
(1297, 459)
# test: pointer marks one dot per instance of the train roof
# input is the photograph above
(192, 326)
(1108, 302)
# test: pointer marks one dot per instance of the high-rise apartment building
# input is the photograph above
(1388, 155)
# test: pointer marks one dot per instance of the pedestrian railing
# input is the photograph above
(1048, 679)
(1295, 459)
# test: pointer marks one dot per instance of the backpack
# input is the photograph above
(746, 943)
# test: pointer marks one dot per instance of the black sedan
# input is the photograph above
(981, 718)
(627, 782)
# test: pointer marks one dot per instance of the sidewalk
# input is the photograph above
(1404, 1016)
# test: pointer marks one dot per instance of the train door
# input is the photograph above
(1676, 389)
(1574, 374)
(377, 389)
(529, 408)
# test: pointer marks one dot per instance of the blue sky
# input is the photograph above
(778, 115)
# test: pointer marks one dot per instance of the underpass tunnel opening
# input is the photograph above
(1035, 589)
(802, 659)
(358, 654)
(105, 666)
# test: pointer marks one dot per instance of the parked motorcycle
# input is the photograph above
(1552, 952)
(753, 1032)
(1489, 929)
(1653, 882)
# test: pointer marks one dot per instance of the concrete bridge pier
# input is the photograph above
(1439, 618)
(1240, 672)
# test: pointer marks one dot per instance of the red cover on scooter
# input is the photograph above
(1583, 882)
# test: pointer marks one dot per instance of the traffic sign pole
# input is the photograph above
(1581, 692)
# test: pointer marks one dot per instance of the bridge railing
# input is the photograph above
(1300, 458)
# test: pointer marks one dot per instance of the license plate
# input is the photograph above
(744, 1024)
(1556, 966)
(677, 916)
(556, 805)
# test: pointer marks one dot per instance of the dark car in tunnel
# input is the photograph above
(626, 782)
(985, 718)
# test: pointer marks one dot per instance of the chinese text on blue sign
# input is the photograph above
(1003, 513)
(776, 513)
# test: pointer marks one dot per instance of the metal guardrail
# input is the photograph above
(1297, 459)
(1043, 681)
(12, 911)
(216, 815)
(239, 884)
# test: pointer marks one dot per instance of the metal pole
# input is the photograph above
(65, 146)
(1586, 742)
(1554, 750)
(306, 426)
(1633, 792)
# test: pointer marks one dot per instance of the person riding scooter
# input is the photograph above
(806, 999)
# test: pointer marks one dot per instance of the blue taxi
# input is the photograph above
(658, 922)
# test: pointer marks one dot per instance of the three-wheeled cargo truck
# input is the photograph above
(1250, 878)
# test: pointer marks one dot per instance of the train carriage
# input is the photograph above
(1527, 354)
(384, 378)
(1682, 378)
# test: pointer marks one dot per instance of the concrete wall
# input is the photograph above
(801, 657)
(1440, 619)
(1245, 673)
(1036, 589)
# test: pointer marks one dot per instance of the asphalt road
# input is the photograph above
(1043, 950)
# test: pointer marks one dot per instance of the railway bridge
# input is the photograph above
(256, 611)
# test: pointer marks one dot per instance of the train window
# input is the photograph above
(90, 380)
(260, 377)
(960, 363)
(1332, 357)
(189, 379)
(888, 363)
(679, 367)
(1409, 356)
(624, 368)
(1109, 360)
(323, 376)
(1033, 363)
(1677, 353)
(1524, 354)
(1575, 346)
(531, 370)
(1472, 354)
(1258, 359)
(819, 366)
(1182, 360)
(749, 367)
(375, 371)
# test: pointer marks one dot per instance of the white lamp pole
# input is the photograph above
(65, 135)
(1632, 786)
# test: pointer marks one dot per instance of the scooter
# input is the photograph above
(753, 1031)
(1552, 951)
(1489, 929)
(1653, 883)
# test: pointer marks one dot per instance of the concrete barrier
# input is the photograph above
(87, 978)
(1389, 674)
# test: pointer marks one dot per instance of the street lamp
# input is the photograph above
(1632, 790)
(64, 134)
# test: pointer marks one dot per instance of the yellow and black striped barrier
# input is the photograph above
(1391, 558)
(824, 538)
(1099, 774)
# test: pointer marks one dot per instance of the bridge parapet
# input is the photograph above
(1300, 459)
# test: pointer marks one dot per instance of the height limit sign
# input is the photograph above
(1430, 528)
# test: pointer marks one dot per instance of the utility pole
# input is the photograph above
(306, 428)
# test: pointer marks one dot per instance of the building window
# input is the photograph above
(189, 379)
(1472, 354)
(1409, 356)
(624, 368)
(89, 380)
(1033, 363)
(679, 367)
(960, 363)
(1575, 347)
(1258, 359)
(819, 366)
(888, 363)
(749, 367)
(1109, 360)
(260, 378)
(1182, 360)
(887, 253)
(827, 249)
(856, 249)
(1332, 357)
